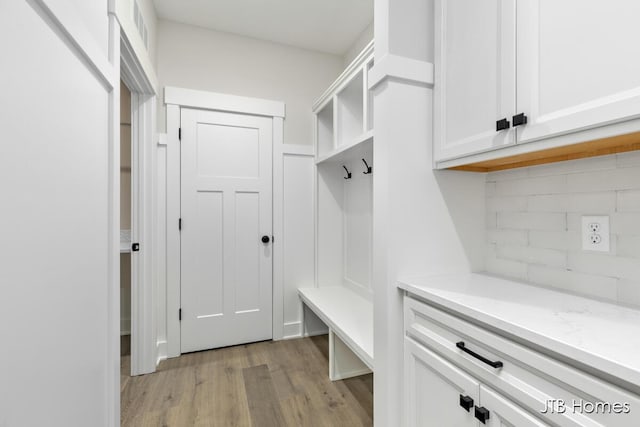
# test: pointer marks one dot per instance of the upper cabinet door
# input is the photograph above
(475, 76)
(578, 65)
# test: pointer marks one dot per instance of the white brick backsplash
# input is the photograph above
(629, 201)
(517, 237)
(592, 203)
(506, 204)
(490, 189)
(574, 222)
(605, 265)
(614, 179)
(625, 223)
(507, 268)
(628, 246)
(547, 203)
(631, 158)
(507, 174)
(491, 219)
(629, 292)
(531, 255)
(532, 221)
(585, 284)
(560, 240)
(541, 185)
(574, 166)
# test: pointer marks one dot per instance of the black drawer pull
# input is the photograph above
(519, 119)
(482, 414)
(502, 124)
(466, 402)
(461, 346)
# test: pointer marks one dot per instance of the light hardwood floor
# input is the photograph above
(283, 383)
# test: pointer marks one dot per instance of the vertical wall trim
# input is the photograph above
(278, 229)
(173, 234)
(113, 280)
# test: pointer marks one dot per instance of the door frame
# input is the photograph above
(175, 99)
(143, 114)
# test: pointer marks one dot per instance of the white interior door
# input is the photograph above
(226, 211)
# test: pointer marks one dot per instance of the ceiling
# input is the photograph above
(330, 26)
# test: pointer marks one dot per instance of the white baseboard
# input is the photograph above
(161, 351)
(292, 330)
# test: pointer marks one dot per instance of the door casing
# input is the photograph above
(174, 99)
(144, 351)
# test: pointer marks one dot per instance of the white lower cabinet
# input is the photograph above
(451, 364)
(435, 390)
(439, 394)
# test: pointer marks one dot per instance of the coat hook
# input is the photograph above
(367, 166)
(348, 173)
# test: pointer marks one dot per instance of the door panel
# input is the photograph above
(433, 388)
(226, 270)
(504, 413)
(578, 65)
(475, 75)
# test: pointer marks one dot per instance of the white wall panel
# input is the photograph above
(298, 238)
(55, 167)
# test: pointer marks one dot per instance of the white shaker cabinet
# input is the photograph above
(578, 65)
(512, 72)
(474, 92)
(436, 392)
(439, 394)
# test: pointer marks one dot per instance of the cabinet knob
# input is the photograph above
(482, 414)
(265, 239)
(466, 402)
(502, 124)
(519, 119)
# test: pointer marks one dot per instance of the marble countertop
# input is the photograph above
(600, 335)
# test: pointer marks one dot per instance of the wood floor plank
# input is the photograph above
(283, 383)
(262, 398)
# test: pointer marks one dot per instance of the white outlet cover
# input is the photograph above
(595, 222)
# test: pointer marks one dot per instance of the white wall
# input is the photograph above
(363, 39)
(57, 364)
(196, 58)
(534, 217)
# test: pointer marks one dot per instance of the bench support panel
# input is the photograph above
(343, 363)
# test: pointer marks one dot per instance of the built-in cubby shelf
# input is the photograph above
(343, 294)
(344, 113)
(355, 149)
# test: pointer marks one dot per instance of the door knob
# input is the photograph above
(265, 239)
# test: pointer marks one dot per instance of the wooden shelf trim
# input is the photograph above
(599, 147)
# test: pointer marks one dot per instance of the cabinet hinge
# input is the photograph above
(179, 223)
(179, 314)
(180, 134)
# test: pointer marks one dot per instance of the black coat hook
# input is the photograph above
(367, 166)
(348, 173)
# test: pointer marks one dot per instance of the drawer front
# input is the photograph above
(550, 389)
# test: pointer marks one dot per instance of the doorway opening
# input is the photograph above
(125, 228)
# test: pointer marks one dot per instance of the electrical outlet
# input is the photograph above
(595, 233)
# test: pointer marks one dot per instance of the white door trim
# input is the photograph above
(175, 98)
(223, 102)
(143, 320)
